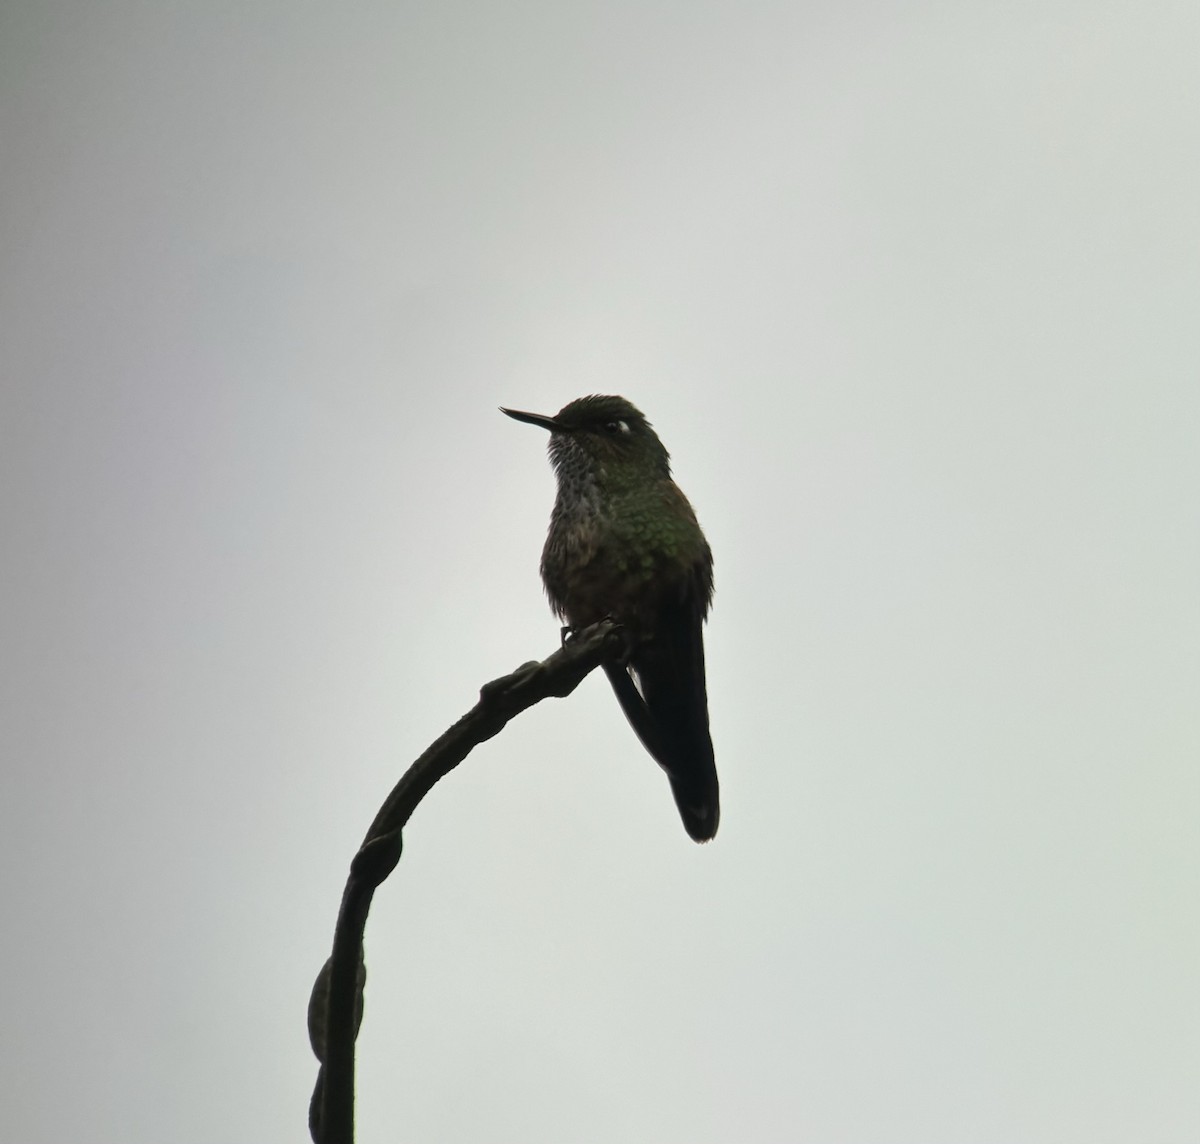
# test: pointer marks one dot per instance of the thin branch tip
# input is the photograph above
(336, 1003)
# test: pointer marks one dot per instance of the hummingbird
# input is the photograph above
(624, 543)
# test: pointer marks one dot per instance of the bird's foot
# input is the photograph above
(627, 651)
(570, 632)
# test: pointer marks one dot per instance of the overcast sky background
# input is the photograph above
(912, 293)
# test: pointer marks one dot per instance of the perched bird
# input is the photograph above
(624, 542)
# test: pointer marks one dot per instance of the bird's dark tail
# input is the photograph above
(664, 697)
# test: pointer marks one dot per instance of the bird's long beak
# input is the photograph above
(533, 419)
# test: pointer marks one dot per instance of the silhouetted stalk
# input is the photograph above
(335, 1007)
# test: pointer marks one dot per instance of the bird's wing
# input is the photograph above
(664, 697)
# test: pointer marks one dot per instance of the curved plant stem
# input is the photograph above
(335, 1007)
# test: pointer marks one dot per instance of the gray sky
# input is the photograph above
(911, 294)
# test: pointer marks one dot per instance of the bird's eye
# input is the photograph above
(612, 428)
